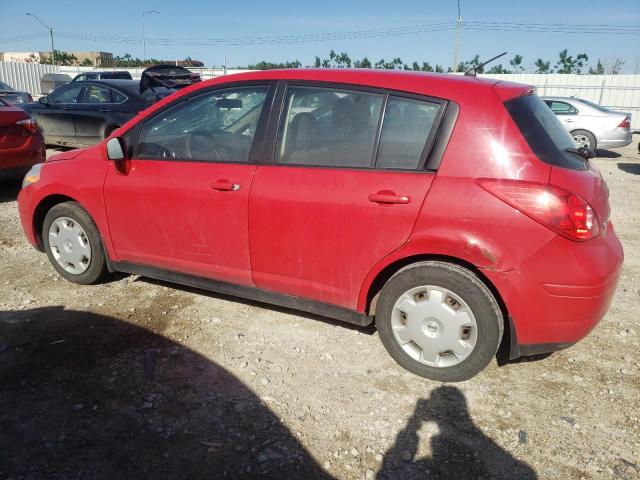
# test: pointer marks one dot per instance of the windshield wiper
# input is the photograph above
(584, 152)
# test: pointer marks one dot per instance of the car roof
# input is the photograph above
(132, 86)
(445, 85)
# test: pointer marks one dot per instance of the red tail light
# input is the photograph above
(560, 210)
(626, 123)
(29, 124)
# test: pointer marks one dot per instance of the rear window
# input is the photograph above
(116, 75)
(544, 133)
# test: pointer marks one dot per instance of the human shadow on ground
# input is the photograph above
(9, 190)
(629, 167)
(87, 396)
(459, 450)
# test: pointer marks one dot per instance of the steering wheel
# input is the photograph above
(201, 146)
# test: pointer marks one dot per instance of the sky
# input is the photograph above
(244, 18)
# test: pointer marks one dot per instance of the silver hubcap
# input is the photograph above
(69, 245)
(582, 141)
(434, 326)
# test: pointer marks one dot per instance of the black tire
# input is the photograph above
(465, 284)
(592, 140)
(97, 267)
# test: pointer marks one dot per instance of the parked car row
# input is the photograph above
(87, 109)
(366, 196)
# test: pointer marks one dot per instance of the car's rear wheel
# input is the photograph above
(439, 320)
(72, 243)
(584, 139)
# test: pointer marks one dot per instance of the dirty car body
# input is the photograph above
(453, 211)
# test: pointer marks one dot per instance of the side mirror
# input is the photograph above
(44, 100)
(115, 150)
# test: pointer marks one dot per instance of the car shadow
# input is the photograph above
(459, 449)
(368, 330)
(9, 190)
(607, 154)
(88, 396)
(629, 167)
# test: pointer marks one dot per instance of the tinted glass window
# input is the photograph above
(216, 126)
(97, 94)
(544, 133)
(66, 95)
(4, 86)
(561, 108)
(405, 130)
(329, 127)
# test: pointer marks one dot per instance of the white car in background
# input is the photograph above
(591, 125)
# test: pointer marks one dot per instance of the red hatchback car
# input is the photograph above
(452, 211)
(21, 142)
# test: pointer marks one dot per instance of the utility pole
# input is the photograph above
(144, 42)
(457, 48)
(53, 57)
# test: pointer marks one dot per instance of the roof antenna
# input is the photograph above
(472, 72)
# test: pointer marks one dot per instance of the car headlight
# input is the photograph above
(32, 176)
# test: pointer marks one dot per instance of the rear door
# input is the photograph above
(99, 109)
(344, 187)
(182, 202)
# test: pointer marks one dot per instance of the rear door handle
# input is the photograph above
(225, 185)
(387, 196)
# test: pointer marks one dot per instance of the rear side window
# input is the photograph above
(329, 127)
(544, 133)
(561, 108)
(405, 129)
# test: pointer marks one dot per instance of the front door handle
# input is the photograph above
(225, 185)
(387, 196)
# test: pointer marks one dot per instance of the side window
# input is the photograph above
(405, 129)
(80, 78)
(69, 94)
(329, 127)
(97, 94)
(214, 126)
(117, 97)
(562, 108)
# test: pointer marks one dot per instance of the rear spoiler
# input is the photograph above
(167, 76)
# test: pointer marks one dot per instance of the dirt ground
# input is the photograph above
(141, 379)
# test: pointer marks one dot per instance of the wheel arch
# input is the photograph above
(40, 212)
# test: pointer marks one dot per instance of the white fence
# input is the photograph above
(618, 92)
(25, 76)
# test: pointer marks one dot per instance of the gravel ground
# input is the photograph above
(141, 379)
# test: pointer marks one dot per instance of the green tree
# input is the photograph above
(567, 64)
(87, 62)
(599, 70)
(62, 58)
(469, 64)
(364, 63)
(516, 64)
(498, 69)
(271, 66)
(542, 66)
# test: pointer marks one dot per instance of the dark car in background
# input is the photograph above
(107, 75)
(21, 142)
(79, 114)
(13, 96)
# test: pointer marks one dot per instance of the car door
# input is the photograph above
(57, 117)
(100, 108)
(344, 189)
(182, 202)
(566, 113)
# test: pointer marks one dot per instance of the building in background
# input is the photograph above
(21, 57)
(89, 59)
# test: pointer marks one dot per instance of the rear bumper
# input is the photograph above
(617, 138)
(16, 161)
(559, 295)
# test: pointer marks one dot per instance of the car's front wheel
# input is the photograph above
(439, 320)
(72, 243)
